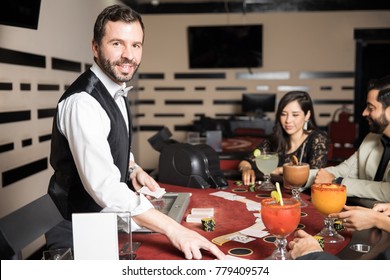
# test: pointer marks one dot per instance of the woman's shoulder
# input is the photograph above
(318, 133)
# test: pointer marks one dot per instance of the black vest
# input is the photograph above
(65, 186)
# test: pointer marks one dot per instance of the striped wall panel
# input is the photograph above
(215, 88)
(22, 172)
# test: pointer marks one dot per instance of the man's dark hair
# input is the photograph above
(114, 13)
(383, 85)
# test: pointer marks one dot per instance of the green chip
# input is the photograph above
(338, 225)
(252, 187)
(320, 240)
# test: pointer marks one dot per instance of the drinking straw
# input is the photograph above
(302, 151)
(280, 193)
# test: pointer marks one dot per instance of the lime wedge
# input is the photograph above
(256, 153)
(275, 195)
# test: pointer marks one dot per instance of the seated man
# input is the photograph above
(367, 173)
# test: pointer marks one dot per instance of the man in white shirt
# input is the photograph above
(91, 139)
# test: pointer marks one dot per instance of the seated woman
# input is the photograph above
(295, 133)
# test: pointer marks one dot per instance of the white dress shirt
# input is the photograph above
(86, 126)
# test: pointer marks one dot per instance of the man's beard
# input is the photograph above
(378, 125)
(109, 68)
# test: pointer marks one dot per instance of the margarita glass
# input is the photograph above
(327, 199)
(280, 221)
(266, 162)
(295, 176)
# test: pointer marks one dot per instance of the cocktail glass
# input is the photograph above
(294, 176)
(266, 163)
(327, 199)
(280, 221)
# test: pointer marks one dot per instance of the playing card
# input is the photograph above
(241, 238)
(157, 193)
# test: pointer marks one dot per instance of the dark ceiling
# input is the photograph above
(250, 6)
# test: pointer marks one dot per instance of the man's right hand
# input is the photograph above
(323, 177)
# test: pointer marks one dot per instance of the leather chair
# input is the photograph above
(342, 132)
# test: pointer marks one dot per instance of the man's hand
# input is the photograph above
(303, 244)
(140, 178)
(323, 177)
(191, 243)
(188, 241)
(357, 218)
(382, 207)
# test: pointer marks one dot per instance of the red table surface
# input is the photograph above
(230, 217)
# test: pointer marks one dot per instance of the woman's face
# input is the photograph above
(293, 118)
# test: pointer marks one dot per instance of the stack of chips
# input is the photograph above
(320, 240)
(338, 225)
(208, 224)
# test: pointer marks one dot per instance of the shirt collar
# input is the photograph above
(385, 141)
(110, 85)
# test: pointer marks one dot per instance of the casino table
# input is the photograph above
(244, 144)
(230, 216)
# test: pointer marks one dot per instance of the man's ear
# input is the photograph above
(387, 113)
(95, 48)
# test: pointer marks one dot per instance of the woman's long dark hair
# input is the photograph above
(280, 140)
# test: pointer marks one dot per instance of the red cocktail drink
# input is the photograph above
(280, 221)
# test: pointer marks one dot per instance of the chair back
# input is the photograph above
(342, 132)
(23, 226)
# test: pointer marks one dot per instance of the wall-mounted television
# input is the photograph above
(20, 13)
(258, 103)
(225, 46)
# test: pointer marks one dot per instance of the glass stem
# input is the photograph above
(281, 251)
(295, 193)
(328, 222)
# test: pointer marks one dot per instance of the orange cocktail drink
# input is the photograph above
(280, 220)
(328, 198)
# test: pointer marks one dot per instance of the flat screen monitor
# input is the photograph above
(258, 103)
(225, 46)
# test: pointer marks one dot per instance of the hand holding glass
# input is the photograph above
(327, 199)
